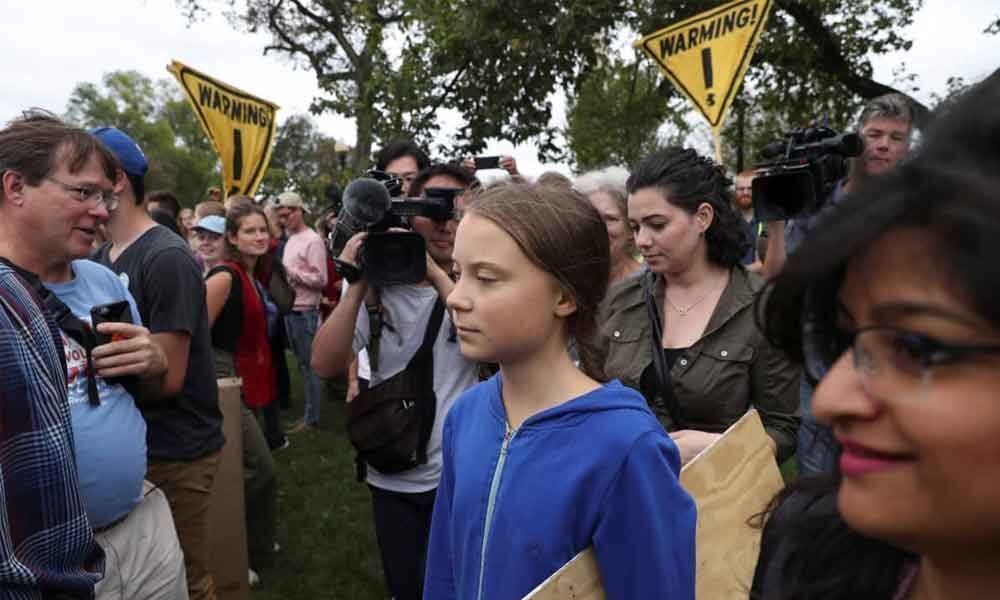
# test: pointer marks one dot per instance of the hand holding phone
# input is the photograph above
(114, 312)
(132, 351)
(487, 162)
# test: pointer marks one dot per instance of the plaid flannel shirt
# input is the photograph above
(47, 547)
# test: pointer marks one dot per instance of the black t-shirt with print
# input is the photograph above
(165, 281)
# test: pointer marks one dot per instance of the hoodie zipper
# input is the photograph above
(491, 504)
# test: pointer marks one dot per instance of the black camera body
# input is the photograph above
(389, 257)
(800, 172)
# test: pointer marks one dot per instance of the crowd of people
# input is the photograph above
(572, 343)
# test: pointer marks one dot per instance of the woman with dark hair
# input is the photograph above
(240, 314)
(683, 332)
(898, 295)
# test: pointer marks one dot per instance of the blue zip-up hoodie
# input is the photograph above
(514, 506)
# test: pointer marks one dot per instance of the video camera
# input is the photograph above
(389, 257)
(800, 172)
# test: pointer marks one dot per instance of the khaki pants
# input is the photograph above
(188, 487)
(143, 559)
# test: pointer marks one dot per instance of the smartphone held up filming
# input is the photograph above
(487, 162)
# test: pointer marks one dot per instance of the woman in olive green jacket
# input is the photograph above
(714, 363)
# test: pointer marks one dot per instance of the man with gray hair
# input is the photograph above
(886, 125)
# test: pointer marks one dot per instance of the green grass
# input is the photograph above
(325, 530)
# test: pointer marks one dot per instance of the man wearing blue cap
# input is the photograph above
(184, 432)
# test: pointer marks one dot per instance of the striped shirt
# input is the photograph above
(47, 547)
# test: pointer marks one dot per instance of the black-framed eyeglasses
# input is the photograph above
(89, 194)
(896, 361)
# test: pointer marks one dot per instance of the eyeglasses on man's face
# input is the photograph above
(89, 194)
(892, 361)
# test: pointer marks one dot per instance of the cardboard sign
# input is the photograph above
(730, 481)
(707, 55)
(227, 534)
(240, 126)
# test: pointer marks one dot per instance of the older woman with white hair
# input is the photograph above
(606, 191)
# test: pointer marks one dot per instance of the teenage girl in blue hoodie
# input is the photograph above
(543, 460)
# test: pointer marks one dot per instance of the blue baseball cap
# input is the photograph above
(121, 145)
(212, 223)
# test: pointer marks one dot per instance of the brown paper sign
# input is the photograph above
(730, 481)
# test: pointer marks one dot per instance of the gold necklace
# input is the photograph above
(684, 311)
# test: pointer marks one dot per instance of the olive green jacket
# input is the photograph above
(728, 370)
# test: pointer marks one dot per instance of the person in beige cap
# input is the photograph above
(305, 262)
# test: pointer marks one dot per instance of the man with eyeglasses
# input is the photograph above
(184, 431)
(57, 190)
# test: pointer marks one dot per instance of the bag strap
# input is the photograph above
(374, 329)
(659, 360)
(423, 360)
(430, 335)
(69, 323)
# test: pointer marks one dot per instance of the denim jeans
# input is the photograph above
(301, 328)
(816, 451)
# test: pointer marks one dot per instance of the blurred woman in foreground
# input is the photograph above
(899, 294)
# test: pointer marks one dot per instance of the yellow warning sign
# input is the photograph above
(241, 126)
(707, 55)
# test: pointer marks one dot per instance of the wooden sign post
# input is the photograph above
(228, 560)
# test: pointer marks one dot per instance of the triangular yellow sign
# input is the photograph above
(707, 55)
(240, 126)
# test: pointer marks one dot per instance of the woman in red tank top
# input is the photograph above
(239, 313)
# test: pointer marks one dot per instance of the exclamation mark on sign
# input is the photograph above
(237, 154)
(706, 67)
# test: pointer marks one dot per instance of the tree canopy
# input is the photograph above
(394, 65)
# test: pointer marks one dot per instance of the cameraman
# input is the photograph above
(886, 125)
(402, 504)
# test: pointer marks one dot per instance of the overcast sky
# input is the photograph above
(49, 45)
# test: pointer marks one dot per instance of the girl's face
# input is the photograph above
(187, 218)
(253, 237)
(669, 237)
(619, 235)
(504, 307)
(208, 245)
(921, 444)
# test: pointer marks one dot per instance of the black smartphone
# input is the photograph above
(487, 162)
(114, 312)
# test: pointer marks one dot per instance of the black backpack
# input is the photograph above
(390, 424)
